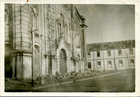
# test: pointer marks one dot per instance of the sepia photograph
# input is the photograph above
(81, 48)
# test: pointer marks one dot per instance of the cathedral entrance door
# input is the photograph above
(63, 63)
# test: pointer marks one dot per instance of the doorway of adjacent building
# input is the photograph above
(63, 61)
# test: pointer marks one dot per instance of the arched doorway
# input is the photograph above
(8, 67)
(63, 61)
(36, 61)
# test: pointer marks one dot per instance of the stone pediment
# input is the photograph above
(63, 44)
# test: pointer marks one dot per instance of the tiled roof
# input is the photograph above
(111, 45)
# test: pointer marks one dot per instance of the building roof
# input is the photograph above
(111, 45)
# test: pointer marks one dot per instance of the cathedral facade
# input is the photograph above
(43, 39)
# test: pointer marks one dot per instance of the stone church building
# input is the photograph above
(43, 39)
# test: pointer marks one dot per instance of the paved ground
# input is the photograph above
(120, 82)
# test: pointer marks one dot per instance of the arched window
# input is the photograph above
(31, 18)
(56, 29)
(6, 24)
(78, 56)
(61, 19)
(36, 49)
(69, 28)
(6, 14)
(34, 17)
(62, 24)
(59, 30)
(66, 32)
(78, 39)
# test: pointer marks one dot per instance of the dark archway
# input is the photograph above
(8, 67)
(63, 61)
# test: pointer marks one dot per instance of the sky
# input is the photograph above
(107, 23)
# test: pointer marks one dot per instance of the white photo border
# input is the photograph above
(137, 47)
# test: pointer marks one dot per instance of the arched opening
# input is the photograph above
(34, 17)
(63, 61)
(8, 67)
(61, 19)
(36, 61)
(59, 30)
(66, 32)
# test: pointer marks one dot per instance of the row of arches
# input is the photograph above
(63, 61)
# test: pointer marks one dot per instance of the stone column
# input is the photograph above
(43, 69)
(83, 65)
(53, 65)
(68, 65)
(13, 64)
(77, 68)
(57, 64)
(79, 64)
(71, 64)
(47, 62)
(44, 65)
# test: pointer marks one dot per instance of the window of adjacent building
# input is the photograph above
(98, 64)
(98, 54)
(130, 51)
(120, 63)
(108, 53)
(109, 64)
(132, 62)
(89, 64)
(119, 52)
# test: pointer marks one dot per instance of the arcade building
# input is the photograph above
(118, 55)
